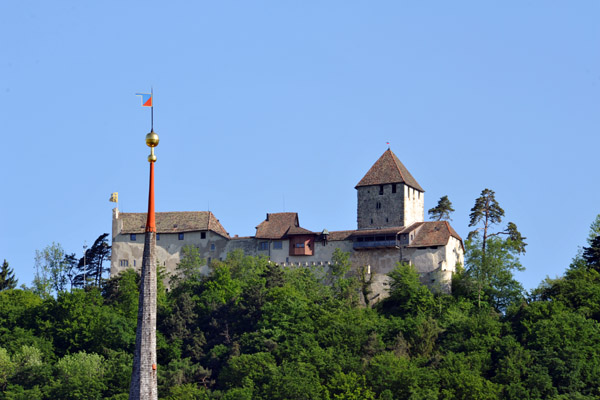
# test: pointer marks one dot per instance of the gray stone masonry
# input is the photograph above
(378, 208)
(143, 377)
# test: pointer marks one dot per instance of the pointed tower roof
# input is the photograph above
(389, 169)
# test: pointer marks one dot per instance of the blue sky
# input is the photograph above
(265, 106)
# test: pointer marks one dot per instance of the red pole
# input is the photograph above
(151, 219)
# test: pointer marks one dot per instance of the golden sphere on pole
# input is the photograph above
(152, 139)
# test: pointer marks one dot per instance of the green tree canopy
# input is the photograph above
(442, 211)
(7, 277)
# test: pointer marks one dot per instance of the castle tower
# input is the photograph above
(389, 196)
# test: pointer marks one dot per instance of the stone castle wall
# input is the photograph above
(400, 208)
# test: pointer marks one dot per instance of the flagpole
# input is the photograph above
(152, 110)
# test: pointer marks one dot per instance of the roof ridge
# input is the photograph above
(396, 161)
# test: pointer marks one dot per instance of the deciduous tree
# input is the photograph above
(50, 270)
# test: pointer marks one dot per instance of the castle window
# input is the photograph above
(263, 246)
(278, 245)
(378, 205)
(386, 219)
(134, 263)
(371, 221)
(209, 260)
(393, 188)
(212, 247)
(124, 263)
(132, 237)
(380, 189)
(202, 235)
(157, 238)
(181, 236)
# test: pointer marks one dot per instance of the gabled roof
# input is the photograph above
(173, 222)
(389, 169)
(297, 230)
(276, 225)
(434, 233)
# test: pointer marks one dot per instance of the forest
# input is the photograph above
(254, 330)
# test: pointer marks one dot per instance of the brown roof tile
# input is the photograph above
(276, 225)
(174, 222)
(434, 233)
(297, 230)
(340, 235)
(389, 169)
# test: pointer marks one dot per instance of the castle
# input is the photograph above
(391, 228)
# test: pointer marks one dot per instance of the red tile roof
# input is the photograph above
(340, 235)
(276, 225)
(297, 230)
(389, 169)
(173, 222)
(434, 233)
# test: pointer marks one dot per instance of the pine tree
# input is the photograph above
(503, 259)
(442, 210)
(90, 266)
(591, 254)
(7, 277)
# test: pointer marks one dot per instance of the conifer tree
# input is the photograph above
(591, 254)
(487, 211)
(442, 210)
(493, 273)
(7, 277)
(91, 265)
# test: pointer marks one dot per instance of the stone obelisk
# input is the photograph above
(143, 377)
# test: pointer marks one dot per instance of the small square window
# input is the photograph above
(278, 245)
(202, 235)
(132, 237)
(181, 236)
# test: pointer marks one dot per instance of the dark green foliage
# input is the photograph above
(490, 258)
(442, 211)
(7, 277)
(486, 210)
(591, 254)
(252, 330)
(90, 268)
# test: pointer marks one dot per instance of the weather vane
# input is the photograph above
(147, 102)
